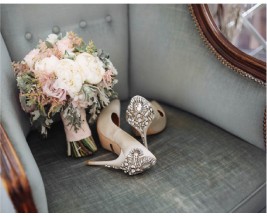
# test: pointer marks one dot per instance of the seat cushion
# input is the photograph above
(200, 168)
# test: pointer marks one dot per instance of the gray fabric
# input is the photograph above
(39, 20)
(16, 125)
(6, 205)
(263, 210)
(200, 168)
(10, 110)
(170, 62)
(253, 203)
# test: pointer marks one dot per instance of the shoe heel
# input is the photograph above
(113, 163)
(139, 115)
(134, 163)
(133, 157)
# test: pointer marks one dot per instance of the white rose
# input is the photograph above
(69, 77)
(92, 67)
(52, 38)
(29, 58)
(47, 64)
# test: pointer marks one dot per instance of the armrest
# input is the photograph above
(16, 125)
(13, 176)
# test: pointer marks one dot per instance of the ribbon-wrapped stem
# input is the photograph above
(79, 141)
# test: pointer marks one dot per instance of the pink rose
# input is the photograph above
(50, 90)
(107, 78)
(64, 45)
(29, 58)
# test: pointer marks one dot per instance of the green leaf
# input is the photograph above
(91, 48)
(81, 48)
(44, 131)
(67, 55)
(26, 82)
(48, 44)
(48, 121)
(36, 115)
(73, 117)
(90, 93)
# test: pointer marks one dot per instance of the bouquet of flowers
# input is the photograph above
(67, 76)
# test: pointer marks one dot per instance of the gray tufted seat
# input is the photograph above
(200, 168)
(211, 157)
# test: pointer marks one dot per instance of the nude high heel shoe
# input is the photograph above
(146, 118)
(133, 157)
(159, 122)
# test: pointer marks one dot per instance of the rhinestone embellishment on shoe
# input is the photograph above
(136, 162)
(139, 113)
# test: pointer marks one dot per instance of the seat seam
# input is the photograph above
(248, 197)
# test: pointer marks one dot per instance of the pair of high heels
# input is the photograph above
(146, 118)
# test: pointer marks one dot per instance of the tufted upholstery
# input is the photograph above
(188, 75)
(159, 56)
(106, 25)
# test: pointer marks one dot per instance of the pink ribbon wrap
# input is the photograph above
(81, 133)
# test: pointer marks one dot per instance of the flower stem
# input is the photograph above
(82, 147)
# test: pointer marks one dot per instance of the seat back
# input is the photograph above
(106, 25)
(170, 62)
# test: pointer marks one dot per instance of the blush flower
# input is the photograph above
(49, 89)
(64, 45)
(107, 78)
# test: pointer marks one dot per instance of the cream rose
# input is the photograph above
(46, 65)
(69, 77)
(29, 58)
(92, 67)
(52, 38)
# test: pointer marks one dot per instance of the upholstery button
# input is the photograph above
(83, 24)
(28, 35)
(108, 18)
(55, 29)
